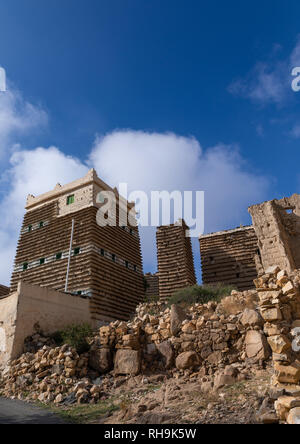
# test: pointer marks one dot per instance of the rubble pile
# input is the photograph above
(217, 341)
(52, 374)
(279, 302)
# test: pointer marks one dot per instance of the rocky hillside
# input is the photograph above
(213, 359)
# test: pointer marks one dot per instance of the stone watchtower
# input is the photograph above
(175, 259)
(106, 261)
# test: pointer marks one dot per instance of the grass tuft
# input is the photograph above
(200, 294)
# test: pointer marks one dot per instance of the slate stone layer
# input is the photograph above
(228, 257)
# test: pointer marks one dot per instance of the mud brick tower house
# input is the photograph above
(106, 262)
(229, 257)
(4, 291)
(175, 259)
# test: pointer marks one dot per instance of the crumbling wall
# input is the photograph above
(228, 257)
(175, 259)
(277, 225)
(32, 307)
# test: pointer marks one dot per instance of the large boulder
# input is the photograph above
(294, 416)
(284, 404)
(166, 350)
(250, 318)
(100, 359)
(127, 362)
(187, 360)
(178, 315)
(221, 380)
(287, 373)
(257, 347)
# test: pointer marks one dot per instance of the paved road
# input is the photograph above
(18, 412)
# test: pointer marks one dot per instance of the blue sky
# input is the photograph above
(100, 80)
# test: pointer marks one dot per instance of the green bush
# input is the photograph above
(200, 294)
(75, 335)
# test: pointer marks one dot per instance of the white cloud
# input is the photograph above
(295, 132)
(17, 118)
(146, 161)
(153, 161)
(295, 55)
(269, 81)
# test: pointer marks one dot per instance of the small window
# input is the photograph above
(134, 267)
(79, 293)
(102, 252)
(238, 275)
(42, 261)
(70, 199)
(76, 251)
(25, 266)
(123, 227)
(29, 229)
(131, 231)
(41, 224)
(126, 264)
(113, 256)
(58, 256)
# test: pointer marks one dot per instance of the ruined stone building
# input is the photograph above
(4, 291)
(175, 259)
(228, 257)
(106, 262)
(277, 226)
(151, 286)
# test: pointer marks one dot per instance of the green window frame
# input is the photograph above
(70, 199)
(41, 224)
(58, 256)
(29, 229)
(25, 266)
(126, 264)
(42, 261)
(102, 252)
(113, 257)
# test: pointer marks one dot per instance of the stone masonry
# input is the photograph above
(175, 259)
(277, 226)
(228, 257)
